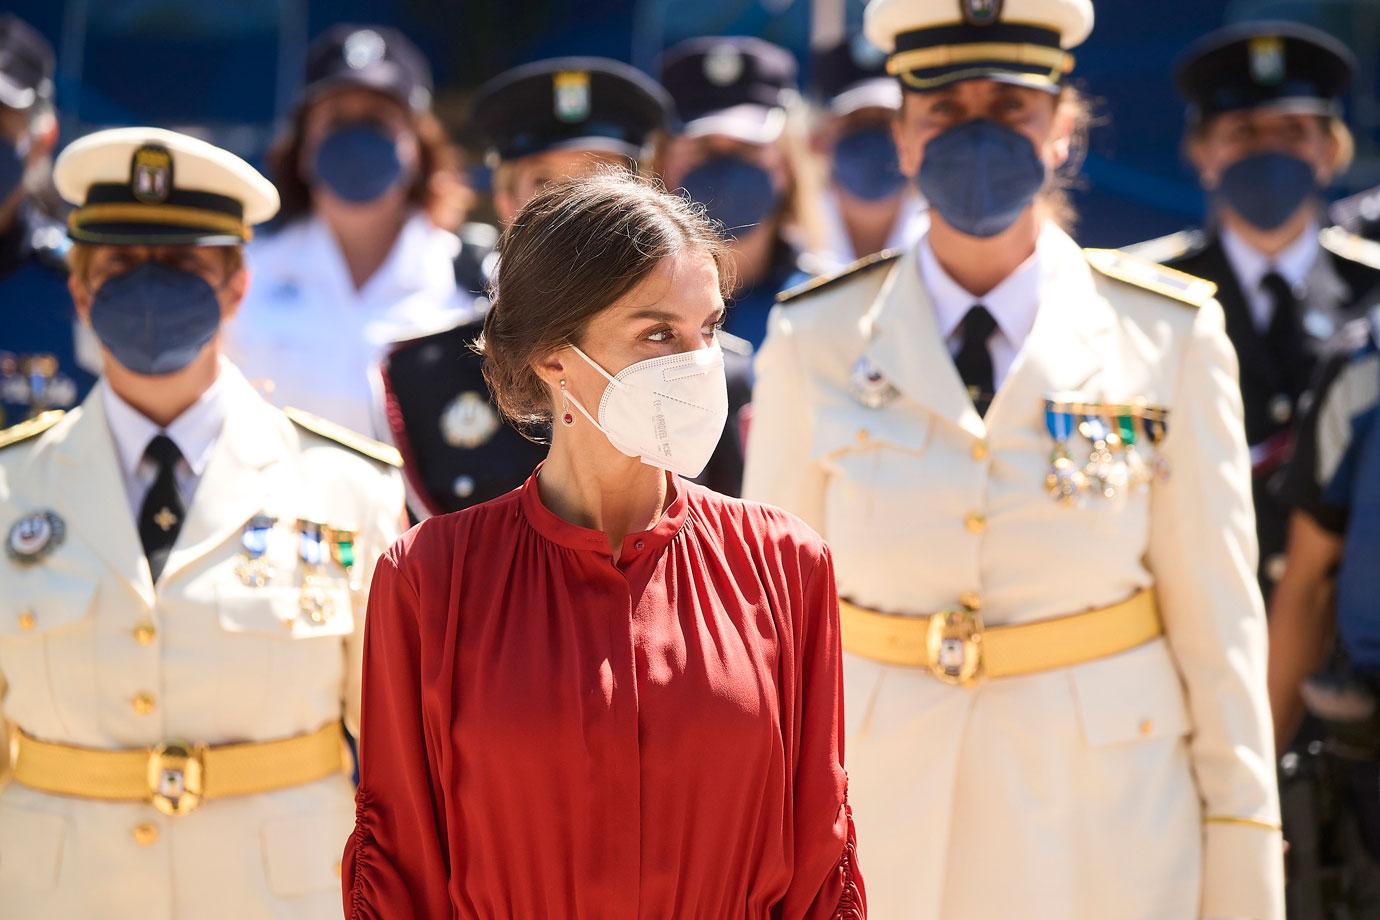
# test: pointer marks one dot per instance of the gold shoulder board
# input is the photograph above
(31, 428)
(374, 450)
(1141, 273)
(884, 257)
(1348, 245)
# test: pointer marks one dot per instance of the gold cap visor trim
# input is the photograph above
(167, 214)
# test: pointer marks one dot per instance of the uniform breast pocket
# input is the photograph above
(283, 647)
(47, 643)
(302, 854)
(875, 461)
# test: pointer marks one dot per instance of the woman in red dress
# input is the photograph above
(610, 693)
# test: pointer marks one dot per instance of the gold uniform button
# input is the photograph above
(863, 435)
(27, 620)
(146, 835)
(980, 450)
(145, 633)
(337, 870)
(1146, 727)
(143, 703)
(975, 522)
(970, 600)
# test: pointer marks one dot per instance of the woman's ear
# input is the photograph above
(1060, 141)
(551, 367)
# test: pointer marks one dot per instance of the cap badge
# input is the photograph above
(34, 536)
(364, 48)
(468, 421)
(1267, 60)
(723, 65)
(571, 92)
(981, 12)
(150, 175)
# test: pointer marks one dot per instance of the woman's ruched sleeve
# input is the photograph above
(395, 862)
(827, 883)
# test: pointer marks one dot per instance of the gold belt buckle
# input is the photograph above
(176, 777)
(953, 646)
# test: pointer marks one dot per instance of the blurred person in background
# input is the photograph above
(542, 122)
(368, 179)
(868, 205)
(39, 336)
(1028, 461)
(1266, 137)
(183, 584)
(740, 148)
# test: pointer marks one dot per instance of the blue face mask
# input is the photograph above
(1267, 188)
(155, 319)
(358, 162)
(980, 176)
(11, 167)
(735, 191)
(865, 164)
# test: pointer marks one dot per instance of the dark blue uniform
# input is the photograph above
(748, 310)
(38, 361)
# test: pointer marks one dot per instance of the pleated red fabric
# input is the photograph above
(548, 733)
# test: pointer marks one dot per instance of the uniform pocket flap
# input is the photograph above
(290, 613)
(31, 606)
(30, 848)
(839, 429)
(1134, 696)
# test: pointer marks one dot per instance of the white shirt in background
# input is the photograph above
(1250, 266)
(305, 337)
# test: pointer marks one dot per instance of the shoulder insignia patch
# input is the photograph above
(1141, 273)
(1348, 245)
(31, 428)
(885, 257)
(324, 428)
(1167, 248)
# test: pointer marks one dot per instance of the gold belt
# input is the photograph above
(176, 777)
(958, 649)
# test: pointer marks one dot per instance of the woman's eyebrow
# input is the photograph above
(660, 316)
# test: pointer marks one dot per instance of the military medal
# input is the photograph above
(34, 536)
(468, 421)
(1138, 472)
(1155, 423)
(253, 569)
(1101, 467)
(342, 544)
(870, 386)
(315, 603)
(1065, 482)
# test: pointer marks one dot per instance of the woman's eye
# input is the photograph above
(660, 336)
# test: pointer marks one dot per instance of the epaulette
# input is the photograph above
(31, 428)
(732, 343)
(1141, 273)
(1348, 245)
(1167, 248)
(324, 428)
(884, 257)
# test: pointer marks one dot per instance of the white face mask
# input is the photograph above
(667, 411)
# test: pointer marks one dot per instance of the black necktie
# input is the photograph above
(160, 518)
(974, 360)
(1284, 335)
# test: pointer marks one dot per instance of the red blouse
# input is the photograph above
(548, 733)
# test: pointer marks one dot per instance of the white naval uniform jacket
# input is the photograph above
(225, 663)
(1138, 786)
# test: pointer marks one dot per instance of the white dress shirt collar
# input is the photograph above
(1293, 263)
(194, 431)
(1012, 303)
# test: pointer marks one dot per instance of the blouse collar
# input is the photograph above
(558, 530)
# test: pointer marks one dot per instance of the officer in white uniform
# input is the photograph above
(358, 262)
(183, 587)
(1029, 462)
